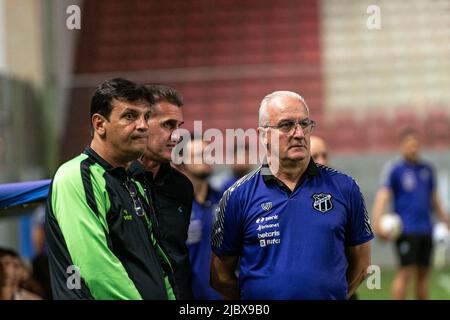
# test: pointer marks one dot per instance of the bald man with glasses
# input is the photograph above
(299, 231)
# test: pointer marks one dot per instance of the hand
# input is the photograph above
(384, 236)
(445, 219)
(447, 223)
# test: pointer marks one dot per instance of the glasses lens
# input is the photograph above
(303, 126)
(138, 208)
(287, 126)
(307, 126)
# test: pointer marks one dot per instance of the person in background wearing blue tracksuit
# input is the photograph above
(410, 182)
(200, 227)
(241, 165)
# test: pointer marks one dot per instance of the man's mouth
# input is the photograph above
(140, 138)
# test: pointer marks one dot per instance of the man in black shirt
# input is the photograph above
(171, 191)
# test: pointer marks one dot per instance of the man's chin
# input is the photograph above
(297, 155)
(167, 157)
(137, 150)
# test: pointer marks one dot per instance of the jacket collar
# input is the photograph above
(136, 169)
(105, 164)
(268, 177)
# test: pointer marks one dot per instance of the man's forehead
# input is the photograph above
(292, 110)
(7, 258)
(167, 110)
(136, 105)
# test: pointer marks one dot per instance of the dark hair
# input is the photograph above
(8, 252)
(408, 132)
(119, 89)
(162, 93)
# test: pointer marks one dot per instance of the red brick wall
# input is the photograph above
(231, 54)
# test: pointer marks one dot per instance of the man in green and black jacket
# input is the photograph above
(101, 239)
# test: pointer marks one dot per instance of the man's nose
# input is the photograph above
(142, 123)
(175, 136)
(298, 130)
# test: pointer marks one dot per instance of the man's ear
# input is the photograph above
(98, 124)
(262, 132)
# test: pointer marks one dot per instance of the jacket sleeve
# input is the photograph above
(80, 210)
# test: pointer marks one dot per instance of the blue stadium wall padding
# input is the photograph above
(22, 193)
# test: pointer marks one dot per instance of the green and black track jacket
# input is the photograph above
(97, 221)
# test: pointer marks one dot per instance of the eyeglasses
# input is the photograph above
(289, 126)
(135, 197)
(140, 209)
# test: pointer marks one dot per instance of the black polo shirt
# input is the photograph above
(172, 194)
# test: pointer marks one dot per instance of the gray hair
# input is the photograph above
(262, 115)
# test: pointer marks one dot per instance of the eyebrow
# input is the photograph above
(292, 119)
(134, 110)
(172, 120)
